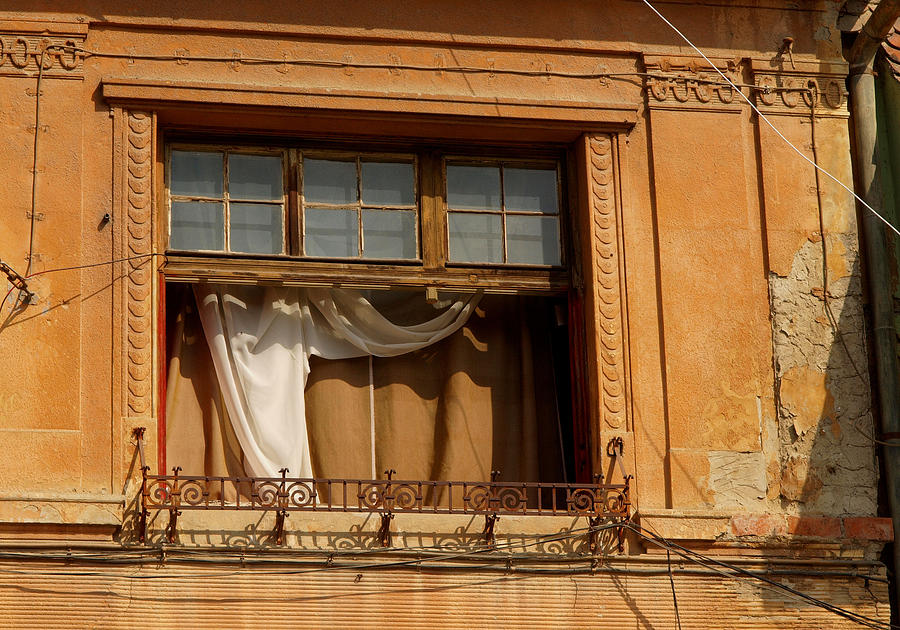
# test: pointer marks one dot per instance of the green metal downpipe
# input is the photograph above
(877, 263)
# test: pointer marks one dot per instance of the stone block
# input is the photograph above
(758, 525)
(869, 528)
(818, 526)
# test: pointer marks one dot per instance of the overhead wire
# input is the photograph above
(75, 267)
(687, 554)
(672, 584)
(727, 569)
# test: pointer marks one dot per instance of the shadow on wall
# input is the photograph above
(828, 466)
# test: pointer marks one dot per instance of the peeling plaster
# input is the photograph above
(825, 458)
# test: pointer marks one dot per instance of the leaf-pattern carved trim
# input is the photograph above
(139, 312)
(606, 259)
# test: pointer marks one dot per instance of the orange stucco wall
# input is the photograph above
(722, 277)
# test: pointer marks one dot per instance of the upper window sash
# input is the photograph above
(359, 206)
(503, 212)
(227, 199)
(364, 206)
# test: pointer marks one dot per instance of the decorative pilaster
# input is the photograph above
(607, 284)
(139, 299)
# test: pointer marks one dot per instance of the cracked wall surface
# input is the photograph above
(823, 403)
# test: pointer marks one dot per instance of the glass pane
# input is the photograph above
(329, 181)
(197, 174)
(530, 190)
(333, 233)
(388, 184)
(532, 240)
(256, 228)
(255, 177)
(389, 234)
(473, 187)
(475, 237)
(197, 225)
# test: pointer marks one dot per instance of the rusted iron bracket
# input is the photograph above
(626, 506)
(172, 527)
(489, 521)
(387, 500)
(384, 532)
(174, 513)
(142, 526)
(16, 279)
(491, 518)
(594, 534)
(278, 533)
(142, 513)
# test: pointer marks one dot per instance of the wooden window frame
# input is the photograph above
(502, 163)
(432, 268)
(226, 199)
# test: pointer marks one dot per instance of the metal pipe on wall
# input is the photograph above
(862, 99)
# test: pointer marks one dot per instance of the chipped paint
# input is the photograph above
(825, 459)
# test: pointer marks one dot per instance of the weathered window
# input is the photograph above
(227, 201)
(503, 213)
(359, 207)
(363, 206)
(411, 235)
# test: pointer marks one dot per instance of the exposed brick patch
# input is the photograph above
(869, 528)
(758, 525)
(819, 526)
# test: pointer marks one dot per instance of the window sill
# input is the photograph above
(287, 271)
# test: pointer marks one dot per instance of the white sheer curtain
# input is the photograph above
(261, 339)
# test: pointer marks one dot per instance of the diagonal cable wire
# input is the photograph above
(770, 123)
(672, 583)
(733, 571)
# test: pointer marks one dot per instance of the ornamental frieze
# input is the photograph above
(800, 95)
(688, 84)
(20, 55)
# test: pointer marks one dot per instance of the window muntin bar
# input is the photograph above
(374, 201)
(227, 200)
(524, 200)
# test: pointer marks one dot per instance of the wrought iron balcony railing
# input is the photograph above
(597, 501)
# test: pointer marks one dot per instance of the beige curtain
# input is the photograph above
(199, 437)
(482, 399)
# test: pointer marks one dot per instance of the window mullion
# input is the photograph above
(432, 222)
(503, 214)
(226, 203)
(293, 236)
(360, 243)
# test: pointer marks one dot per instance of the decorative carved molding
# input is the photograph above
(607, 284)
(686, 83)
(21, 54)
(788, 93)
(139, 310)
(680, 83)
